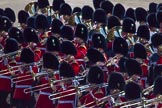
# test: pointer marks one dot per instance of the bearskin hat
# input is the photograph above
(140, 14)
(43, 3)
(156, 39)
(5, 23)
(65, 9)
(27, 55)
(99, 16)
(87, 12)
(120, 46)
(81, 31)
(113, 21)
(67, 32)
(140, 51)
(130, 13)
(129, 25)
(133, 67)
(50, 61)
(99, 41)
(66, 70)
(8, 12)
(68, 48)
(16, 33)
(95, 75)
(119, 10)
(56, 4)
(11, 45)
(107, 6)
(41, 22)
(132, 91)
(56, 25)
(22, 16)
(143, 32)
(53, 44)
(116, 81)
(151, 20)
(30, 35)
(94, 56)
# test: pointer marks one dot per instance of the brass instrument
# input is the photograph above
(32, 8)
(38, 87)
(147, 90)
(11, 54)
(143, 103)
(114, 32)
(32, 75)
(102, 100)
(131, 39)
(76, 91)
(112, 61)
(89, 24)
(152, 101)
(149, 48)
(129, 103)
(23, 78)
(14, 69)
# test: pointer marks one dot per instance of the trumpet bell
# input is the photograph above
(31, 8)
(114, 32)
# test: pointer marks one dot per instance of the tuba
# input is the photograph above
(32, 8)
(114, 32)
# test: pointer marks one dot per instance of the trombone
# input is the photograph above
(109, 61)
(101, 101)
(15, 69)
(24, 78)
(148, 90)
(10, 54)
(75, 91)
(142, 103)
(38, 87)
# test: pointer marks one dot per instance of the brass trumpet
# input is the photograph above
(147, 90)
(31, 8)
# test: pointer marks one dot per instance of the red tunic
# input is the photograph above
(159, 105)
(89, 97)
(160, 60)
(81, 53)
(69, 101)
(5, 79)
(20, 86)
(144, 67)
(43, 100)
